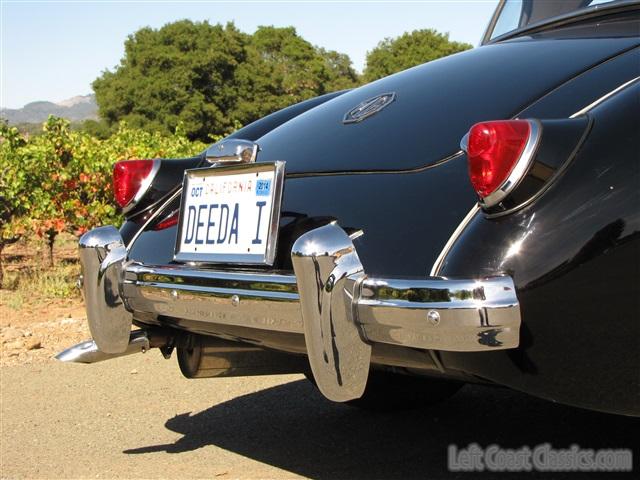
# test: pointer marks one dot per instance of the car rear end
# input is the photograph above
(326, 244)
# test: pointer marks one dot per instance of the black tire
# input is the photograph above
(388, 391)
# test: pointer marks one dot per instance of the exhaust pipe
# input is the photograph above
(198, 356)
(207, 357)
(88, 352)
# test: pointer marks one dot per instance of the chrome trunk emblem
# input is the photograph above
(369, 107)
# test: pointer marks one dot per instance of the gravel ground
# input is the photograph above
(136, 417)
(36, 342)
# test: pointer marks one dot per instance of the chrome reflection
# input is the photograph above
(472, 315)
(330, 300)
(232, 150)
(391, 311)
(515, 248)
(328, 272)
(102, 255)
(88, 352)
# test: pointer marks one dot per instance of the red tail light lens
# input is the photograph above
(128, 177)
(169, 221)
(493, 149)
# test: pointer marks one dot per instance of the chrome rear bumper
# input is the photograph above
(395, 311)
(339, 309)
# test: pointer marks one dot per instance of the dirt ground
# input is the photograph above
(37, 324)
(137, 417)
(34, 335)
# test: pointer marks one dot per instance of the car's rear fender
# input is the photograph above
(574, 254)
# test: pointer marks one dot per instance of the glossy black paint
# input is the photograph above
(580, 91)
(261, 127)
(424, 124)
(559, 141)
(169, 176)
(406, 218)
(440, 196)
(574, 251)
(574, 255)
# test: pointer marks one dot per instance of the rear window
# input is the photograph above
(513, 15)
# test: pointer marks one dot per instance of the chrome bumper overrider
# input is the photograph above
(330, 299)
(102, 255)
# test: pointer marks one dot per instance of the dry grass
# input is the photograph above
(27, 284)
(41, 311)
(40, 286)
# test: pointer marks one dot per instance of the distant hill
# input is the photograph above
(81, 107)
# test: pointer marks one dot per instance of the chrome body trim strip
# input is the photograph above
(603, 98)
(435, 269)
(144, 187)
(153, 217)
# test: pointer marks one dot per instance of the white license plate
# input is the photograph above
(230, 214)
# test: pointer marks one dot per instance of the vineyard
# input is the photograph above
(60, 181)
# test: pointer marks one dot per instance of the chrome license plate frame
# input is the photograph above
(265, 255)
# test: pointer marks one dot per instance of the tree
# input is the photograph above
(55, 185)
(340, 71)
(182, 73)
(211, 77)
(76, 192)
(95, 128)
(408, 50)
(282, 68)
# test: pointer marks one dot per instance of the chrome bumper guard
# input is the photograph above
(330, 300)
(102, 256)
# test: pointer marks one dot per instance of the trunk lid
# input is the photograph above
(434, 107)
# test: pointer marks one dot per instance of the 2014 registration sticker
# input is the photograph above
(230, 214)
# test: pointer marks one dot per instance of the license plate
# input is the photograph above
(230, 214)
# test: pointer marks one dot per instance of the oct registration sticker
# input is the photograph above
(230, 214)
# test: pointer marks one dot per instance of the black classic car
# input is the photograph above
(472, 219)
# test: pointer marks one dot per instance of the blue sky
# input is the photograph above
(53, 50)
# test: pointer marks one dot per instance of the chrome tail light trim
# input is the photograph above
(144, 187)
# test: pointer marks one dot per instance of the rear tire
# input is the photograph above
(388, 391)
